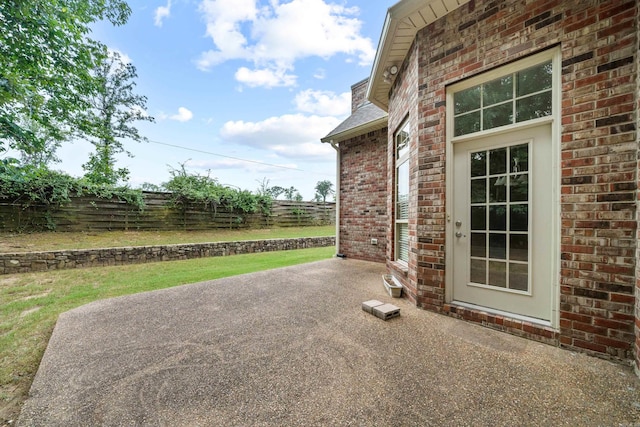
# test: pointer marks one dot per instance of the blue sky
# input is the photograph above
(226, 80)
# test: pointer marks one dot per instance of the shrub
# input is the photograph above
(187, 188)
(39, 187)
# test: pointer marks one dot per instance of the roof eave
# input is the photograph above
(379, 85)
(359, 130)
(376, 79)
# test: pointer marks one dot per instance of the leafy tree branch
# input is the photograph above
(114, 109)
(46, 60)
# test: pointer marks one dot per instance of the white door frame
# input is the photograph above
(555, 122)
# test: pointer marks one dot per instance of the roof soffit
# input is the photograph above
(402, 23)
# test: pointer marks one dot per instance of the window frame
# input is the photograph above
(500, 72)
(401, 159)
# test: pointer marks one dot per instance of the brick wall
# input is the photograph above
(599, 228)
(405, 105)
(637, 315)
(27, 262)
(363, 197)
(359, 94)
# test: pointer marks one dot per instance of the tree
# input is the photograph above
(149, 186)
(264, 189)
(39, 152)
(292, 193)
(323, 190)
(276, 191)
(114, 107)
(46, 61)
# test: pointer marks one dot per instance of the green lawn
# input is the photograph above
(30, 303)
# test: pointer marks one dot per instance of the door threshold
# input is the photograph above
(534, 320)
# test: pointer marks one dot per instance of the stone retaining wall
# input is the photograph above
(27, 262)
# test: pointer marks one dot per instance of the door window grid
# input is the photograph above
(514, 98)
(499, 212)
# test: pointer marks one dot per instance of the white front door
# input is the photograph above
(502, 233)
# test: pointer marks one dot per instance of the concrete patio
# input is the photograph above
(293, 347)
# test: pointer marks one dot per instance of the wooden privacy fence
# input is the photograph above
(92, 213)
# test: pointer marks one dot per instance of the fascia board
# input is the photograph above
(367, 127)
(395, 15)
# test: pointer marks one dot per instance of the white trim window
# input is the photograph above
(510, 99)
(401, 142)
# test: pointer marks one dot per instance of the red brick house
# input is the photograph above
(491, 161)
(361, 208)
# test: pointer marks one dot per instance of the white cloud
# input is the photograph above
(223, 19)
(305, 150)
(265, 77)
(274, 35)
(291, 136)
(184, 115)
(161, 13)
(320, 74)
(323, 102)
(234, 164)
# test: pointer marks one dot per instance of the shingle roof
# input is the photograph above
(366, 118)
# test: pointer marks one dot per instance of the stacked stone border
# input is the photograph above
(27, 262)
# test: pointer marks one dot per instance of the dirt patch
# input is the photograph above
(15, 243)
(11, 399)
(44, 294)
(31, 310)
(8, 281)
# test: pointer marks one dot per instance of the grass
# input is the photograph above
(31, 303)
(47, 241)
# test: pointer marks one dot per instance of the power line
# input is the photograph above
(228, 157)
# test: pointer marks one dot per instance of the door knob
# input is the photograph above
(459, 234)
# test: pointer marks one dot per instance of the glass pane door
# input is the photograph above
(499, 212)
